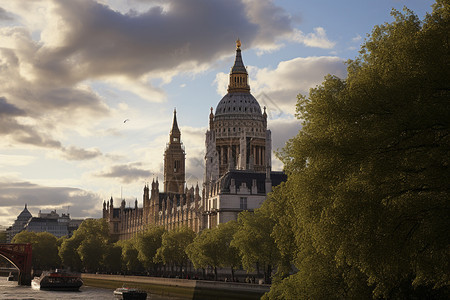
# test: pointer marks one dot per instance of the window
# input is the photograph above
(243, 204)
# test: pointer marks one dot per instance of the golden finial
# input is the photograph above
(238, 43)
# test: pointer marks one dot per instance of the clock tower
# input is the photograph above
(174, 161)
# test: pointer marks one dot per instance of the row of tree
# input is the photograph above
(159, 252)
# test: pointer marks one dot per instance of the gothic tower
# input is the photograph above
(174, 161)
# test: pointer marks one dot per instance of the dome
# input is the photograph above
(25, 214)
(239, 105)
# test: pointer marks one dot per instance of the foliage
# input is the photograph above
(112, 258)
(366, 200)
(45, 249)
(87, 245)
(212, 248)
(254, 241)
(130, 255)
(173, 246)
(148, 243)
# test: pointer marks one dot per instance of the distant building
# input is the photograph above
(51, 222)
(19, 223)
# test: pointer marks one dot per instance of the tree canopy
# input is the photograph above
(366, 202)
(44, 247)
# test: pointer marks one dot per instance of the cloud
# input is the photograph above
(357, 38)
(282, 84)
(277, 89)
(126, 173)
(4, 15)
(7, 109)
(75, 153)
(318, 38)
(15, 194)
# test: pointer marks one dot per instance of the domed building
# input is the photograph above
(238, 156)
(19, 224)
(237, 177)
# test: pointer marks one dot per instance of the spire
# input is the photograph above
(238, 66)
(238, 75)
(175, 133)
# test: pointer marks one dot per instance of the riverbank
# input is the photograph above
(180, 288)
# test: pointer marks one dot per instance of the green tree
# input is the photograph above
(69, 254)
(45, 249)
(205, 250)
(229, 254)
(254, 241)
(368, 172)
(112, 258)
(173, 247)
(91, 251)
(148, 243)
(87, 245)
(130, 255)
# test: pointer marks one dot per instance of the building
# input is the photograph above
(175, 206)
(51, 222)
(18, 224)
(238, 156)
(237, 174)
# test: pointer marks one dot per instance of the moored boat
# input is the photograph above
(130, 293)
(59, 280)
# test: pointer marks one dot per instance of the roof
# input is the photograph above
(242, 105)
(25, 214)
(241, 176)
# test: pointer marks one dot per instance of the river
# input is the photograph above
(10, 290)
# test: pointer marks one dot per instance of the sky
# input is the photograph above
(71, 73)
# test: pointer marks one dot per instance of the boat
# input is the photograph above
(59, 280)
(130, 293)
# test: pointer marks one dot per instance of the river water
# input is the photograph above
(10, 290)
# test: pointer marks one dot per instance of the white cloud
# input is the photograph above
(277, 89)
(318, 38)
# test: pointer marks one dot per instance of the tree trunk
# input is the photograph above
(232, 274)
(215, 273)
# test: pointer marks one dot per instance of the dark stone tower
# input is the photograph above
(174, 161)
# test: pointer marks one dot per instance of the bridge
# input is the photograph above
(20, 256)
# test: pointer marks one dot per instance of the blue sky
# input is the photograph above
(72, 71)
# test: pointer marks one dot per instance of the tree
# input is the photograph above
(254, 241)
(368, 172)
(173, 247)
(130, 255)
(91, 250)
(87, 245)
(69, 255)
(112, 258)
(45, 249)
(148, 243)
(205, 250)
(229, 254)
